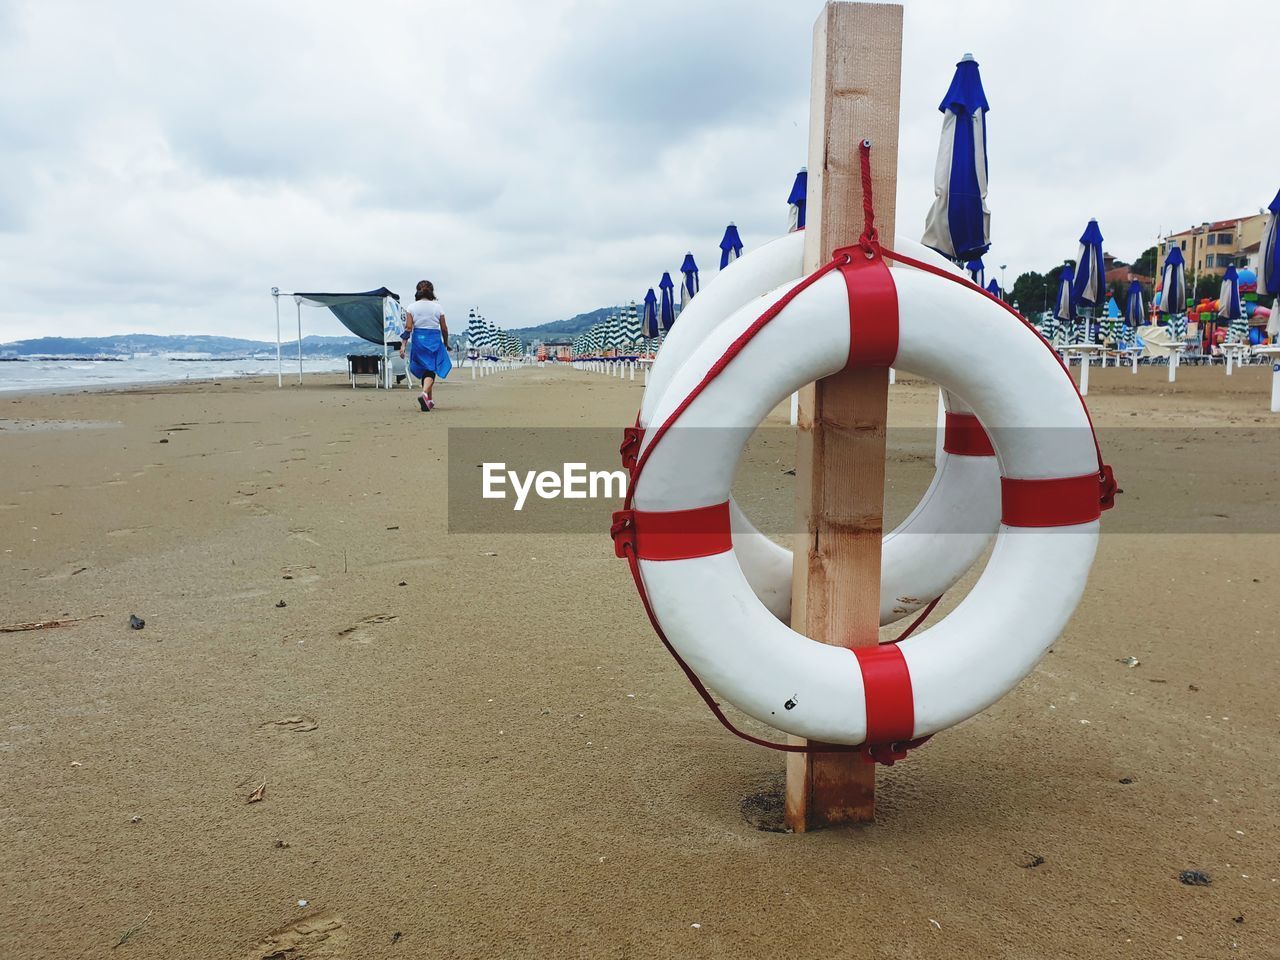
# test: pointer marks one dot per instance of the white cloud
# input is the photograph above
(166, 164)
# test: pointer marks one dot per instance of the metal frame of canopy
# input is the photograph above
(382, 293)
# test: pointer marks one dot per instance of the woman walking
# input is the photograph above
(427, 340)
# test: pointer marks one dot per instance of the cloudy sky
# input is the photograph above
(164, 164)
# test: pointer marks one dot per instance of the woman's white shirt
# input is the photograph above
(426, 314)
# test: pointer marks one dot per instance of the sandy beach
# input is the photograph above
(473, 746)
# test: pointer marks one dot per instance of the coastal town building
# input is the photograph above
(1212, 247)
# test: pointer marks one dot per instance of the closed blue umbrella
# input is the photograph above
(1135, 313)
(1064, 310)
(1173, 295)
(1269, 252)
(977, 272)
(993, 288)
(1112, 322)
(1089, 286)
(959, 224)
(667, 306)
(1229, 308)
(730, 246)
(797, 200)
(650, 315)
(689, 280)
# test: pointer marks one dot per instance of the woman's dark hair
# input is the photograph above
(426, 291)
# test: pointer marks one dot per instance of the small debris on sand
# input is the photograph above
(258, 795)
(1035, 861)
(136, 623)
(281, 604)
(1194, 878)
(1129, 661)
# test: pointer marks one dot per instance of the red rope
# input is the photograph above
(869, 239)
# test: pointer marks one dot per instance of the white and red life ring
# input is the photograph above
(677, 529)
(956, 517)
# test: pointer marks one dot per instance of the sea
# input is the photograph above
(77, 374)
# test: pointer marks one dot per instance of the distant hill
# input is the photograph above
(124, 345)
(563, 329)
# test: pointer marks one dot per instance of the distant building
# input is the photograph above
(1212, 247)
(555, 350)
(1117, 272)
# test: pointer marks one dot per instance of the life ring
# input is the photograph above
(956, 517)
(676, 528)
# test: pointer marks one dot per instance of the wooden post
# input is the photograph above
(857, 69)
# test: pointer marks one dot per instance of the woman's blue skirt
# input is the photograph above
(427, 355)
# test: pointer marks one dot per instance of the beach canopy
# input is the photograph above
(1088, 286)
(688, 280)
(730, 246)
(797, 200)
(667, 309)
(959, 224)
(1173, 284)
(1134, 312)
(1269, 253)
(993, 288)
(977, 272)
(650, 324)
(361, 313)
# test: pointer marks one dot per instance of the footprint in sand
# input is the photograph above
(360, 632)
(299, 724)
(66, 572)
(315, 936)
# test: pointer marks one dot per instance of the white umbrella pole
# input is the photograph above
(1084, 374)
(795, 408)
(275, 295)
(1275, 386)
(299, 343)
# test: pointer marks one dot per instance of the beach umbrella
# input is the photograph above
(1112, 322)
(689, 280)
(1229, 307)
(667, 306)
(1173, 294)
(993, 288)
(730, 246)
(977, 272)
(1135, 313)
(796, 201)
(1064, 310)
(1089, 286)
(650, 324)
(1269, 253)
(959, 224)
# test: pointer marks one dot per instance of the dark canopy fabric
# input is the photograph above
(361, 313)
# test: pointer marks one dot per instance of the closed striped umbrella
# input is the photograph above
(1173, 292)
(797, 201)
(1229, 307)
(1089, 286)
(650, 325)
(1269, 253)
(666, 305)
(1135, 312)
(688, 280)
(993, 288)
(958, 224)
(1064, 310)
(730, 246)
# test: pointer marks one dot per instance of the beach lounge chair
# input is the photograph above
(364, 365)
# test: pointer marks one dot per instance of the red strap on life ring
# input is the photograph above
(963, 436)
(891, 710)
(873, 308)
(673, 534)
(1060, 502)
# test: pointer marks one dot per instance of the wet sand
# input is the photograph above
(498, 759)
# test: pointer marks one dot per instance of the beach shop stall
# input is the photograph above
(375, 316)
